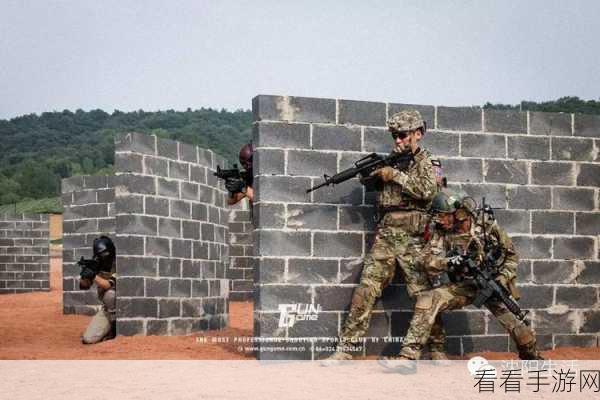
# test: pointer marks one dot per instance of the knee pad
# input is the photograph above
(424, 301)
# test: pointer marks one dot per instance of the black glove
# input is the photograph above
(88, 273)
(234, 185)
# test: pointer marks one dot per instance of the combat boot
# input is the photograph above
(336, 358)
(529, 352)
(439, 358)
(401, 364)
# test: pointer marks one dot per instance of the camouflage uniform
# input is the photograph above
(399, 238)
(457, 295)
(102, 324)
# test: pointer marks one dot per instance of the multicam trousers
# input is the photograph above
(396, 244)
(454, 296)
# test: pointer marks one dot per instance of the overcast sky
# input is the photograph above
(152, 55)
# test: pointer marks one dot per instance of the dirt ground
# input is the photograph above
(33, 327)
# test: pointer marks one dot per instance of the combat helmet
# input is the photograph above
(104, 250)
(445, 202)
(406, 120)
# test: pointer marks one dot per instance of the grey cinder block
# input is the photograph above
(577, 297)
(361, 113)
(532, 247)
(483, 145)
(552, 222)
(312, 217)
(588, 223)
(574, 149)
(588, 175)
(505, 121)
(587, 125)
(291, 108)
(463, 170)
(577, 248)
(311, 163)
(282, 188)
(441, 143)
(550, 124)
(524, 197)
(578, 199)
(526, 147)
(327, 137)
(378, 140)
(552, 173)
(312, 271)
(338, 244)
(281, 243)
(282, 135)
(459, 118)
(269, 162)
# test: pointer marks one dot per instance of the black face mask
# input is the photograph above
(105, 259)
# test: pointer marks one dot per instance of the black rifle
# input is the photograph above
(489, 289)
(484, 275)
(91, 264)
(366, 165)
(233, 173)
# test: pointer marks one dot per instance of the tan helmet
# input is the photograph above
(407, 120)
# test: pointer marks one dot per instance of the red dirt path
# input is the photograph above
(32, 326)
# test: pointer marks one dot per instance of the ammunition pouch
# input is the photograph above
(411, 221)
(438, 280)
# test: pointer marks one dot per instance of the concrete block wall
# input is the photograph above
(89, 211)
(240, 269)
(541, 169)
(24, 253)
(171, 235)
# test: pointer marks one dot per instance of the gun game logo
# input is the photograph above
(291, 313)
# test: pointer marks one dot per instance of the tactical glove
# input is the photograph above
(234, 185)
(88, 273)
(386, 174)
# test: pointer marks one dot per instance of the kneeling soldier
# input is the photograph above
(459, 235)
(101, 270)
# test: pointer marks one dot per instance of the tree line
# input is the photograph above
(37, 151)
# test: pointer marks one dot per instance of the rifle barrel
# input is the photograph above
(317, 187)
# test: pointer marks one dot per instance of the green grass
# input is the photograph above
(51, 205)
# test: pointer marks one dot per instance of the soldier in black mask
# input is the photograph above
(101, 271)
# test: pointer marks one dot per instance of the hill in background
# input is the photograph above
(37, 151)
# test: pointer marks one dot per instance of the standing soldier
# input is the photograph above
(458, 234)
(102, 273)
(403, 201)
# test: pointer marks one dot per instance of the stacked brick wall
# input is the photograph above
(240, 271)
(171, 231)
(24, 252)
(541, 169)
(89, 207)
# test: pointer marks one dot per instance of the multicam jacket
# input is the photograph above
(434, 256)
(413, 189)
